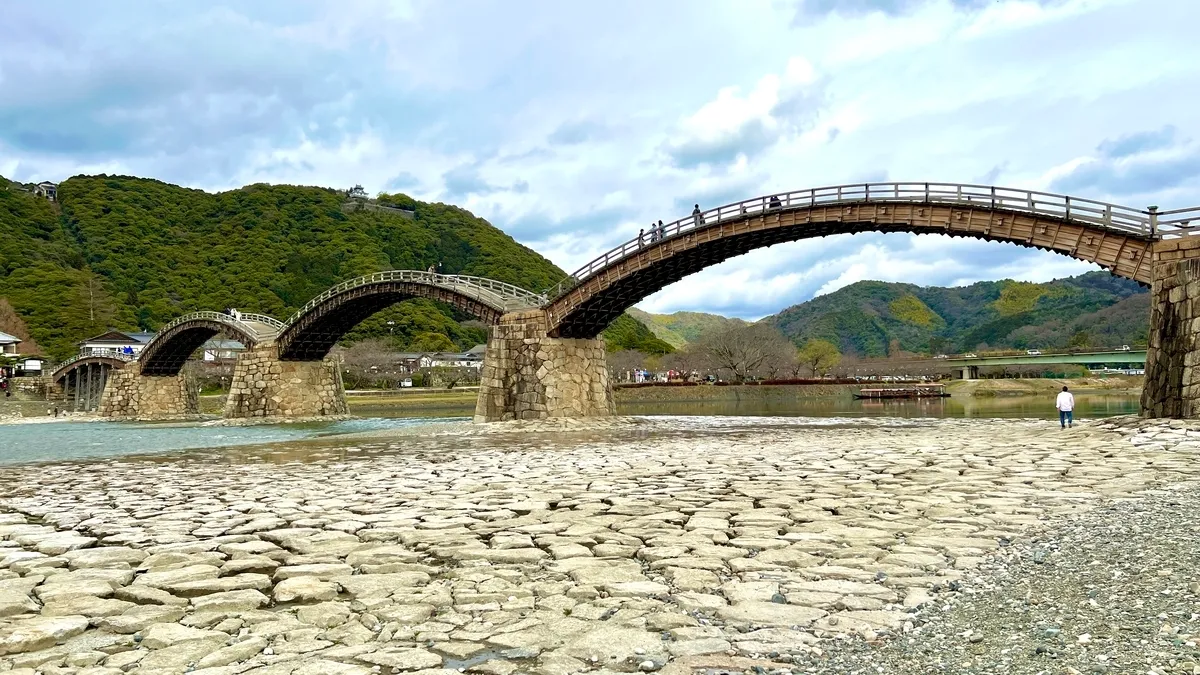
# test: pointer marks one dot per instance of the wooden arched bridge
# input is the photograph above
(1117, 238)
(543, 358)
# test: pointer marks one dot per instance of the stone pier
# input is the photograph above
(130, 395)
(265, 386)
(1172, 384)
(527, 375)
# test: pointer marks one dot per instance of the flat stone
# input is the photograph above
(86, 605)
(305, 589)
(13, 603)
(240, 651)
(162, 635)
(28, 635)
(105, 556)
(230, 601)
(403, 658)
(323, 572)
(139, 618)
(380, 585)
(147, 595)
(770, 614)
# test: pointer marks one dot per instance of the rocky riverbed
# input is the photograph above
(624, 545)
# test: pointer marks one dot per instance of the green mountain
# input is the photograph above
(871, 318)
(681, 328)
(118, 251)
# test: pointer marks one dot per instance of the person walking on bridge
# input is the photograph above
(1066, 405)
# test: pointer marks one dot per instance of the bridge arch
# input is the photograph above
(1115, 237)
(175, 342)
(111, 359)
(311, 332)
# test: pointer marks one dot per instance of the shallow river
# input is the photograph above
(57, 441)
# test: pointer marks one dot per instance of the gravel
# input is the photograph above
(1115, 590)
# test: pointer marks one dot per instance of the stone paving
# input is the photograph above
(548, 547)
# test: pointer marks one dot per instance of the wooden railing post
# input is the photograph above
(1153, 210)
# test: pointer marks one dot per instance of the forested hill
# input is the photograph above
(682, 328)
(124, 252)
(873, 318)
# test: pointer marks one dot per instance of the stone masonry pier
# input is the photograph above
(1172, 386)
(128, 394)
(265, 386)
(527, 375)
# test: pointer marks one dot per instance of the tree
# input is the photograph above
(1080, 340)
(429, 341)
(742, 352)
(819, 356)
(621, 363)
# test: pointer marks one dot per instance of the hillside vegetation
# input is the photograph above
(133, 253)
(872, 318)
(682, 328)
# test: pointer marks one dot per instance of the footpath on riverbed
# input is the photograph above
(607, 546)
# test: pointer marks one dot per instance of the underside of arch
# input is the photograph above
(167, 352)
(584, 311)
(313, 334)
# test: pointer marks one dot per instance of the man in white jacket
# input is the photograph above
(1065, 404)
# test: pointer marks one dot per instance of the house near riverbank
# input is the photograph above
(130, 343)
(8, 344)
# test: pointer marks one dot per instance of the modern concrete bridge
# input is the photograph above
(970, 365)
(545, 357)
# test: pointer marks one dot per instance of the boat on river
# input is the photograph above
(915, 391)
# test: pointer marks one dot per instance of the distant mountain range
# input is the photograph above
(681, 328)
(871, 318)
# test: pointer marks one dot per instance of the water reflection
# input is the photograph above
(51, 441)
(998, 406)
(335, 442)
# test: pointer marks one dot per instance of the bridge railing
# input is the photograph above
(95, 353)
(1113, 217)
(488, 291)
(264, 319)
(1178, 223)
(219, 317)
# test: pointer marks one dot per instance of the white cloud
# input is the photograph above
(573, 125)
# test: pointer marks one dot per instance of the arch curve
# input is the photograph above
(311, 332)
(104, 357)
(1115, 237)
(175, 342)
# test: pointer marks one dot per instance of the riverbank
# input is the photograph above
(707, 392)
(618, 544)
(1120, 385)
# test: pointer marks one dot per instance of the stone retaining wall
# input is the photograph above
(1172, 384)
(129, 395)
(527, 375)
(264, 386)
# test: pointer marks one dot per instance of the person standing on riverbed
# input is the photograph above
(1065, 404)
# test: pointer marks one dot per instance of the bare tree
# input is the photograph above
(622, 363)
(742, 352)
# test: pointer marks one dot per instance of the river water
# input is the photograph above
(57, 441)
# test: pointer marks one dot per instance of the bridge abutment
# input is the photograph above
(265, 386)
(527, 375)
(1172, 382)
(130, 395)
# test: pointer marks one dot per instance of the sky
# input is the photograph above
(571, 125)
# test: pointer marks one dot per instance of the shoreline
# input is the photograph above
(685, 543)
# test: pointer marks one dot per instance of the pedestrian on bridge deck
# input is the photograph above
(1066, 405)
(642, 237)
